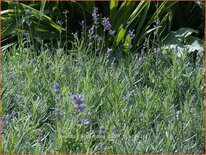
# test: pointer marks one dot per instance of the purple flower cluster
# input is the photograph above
(107, 26)
(78, 101)
(106, 23)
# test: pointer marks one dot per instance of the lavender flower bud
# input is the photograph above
(111, 32)
(57, 99)
(56, 85)
(131, 34)
(59, 22)
(28, 13)
(85, 121)
(28, 23)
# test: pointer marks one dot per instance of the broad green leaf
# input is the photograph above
(113, 9)
(182, 41)
(120, 35)
(184, 32)
(123, 14)
(142, 20)
(195, 44)
(127, 44)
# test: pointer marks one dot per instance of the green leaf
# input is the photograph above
(185, 32)
(113, 9)
(195, 44)
(126, 45)
(182, 40)
(120, 35)
(122, 16)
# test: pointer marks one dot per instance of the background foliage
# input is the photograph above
(141, 16)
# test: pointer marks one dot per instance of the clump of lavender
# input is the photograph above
(78, 101)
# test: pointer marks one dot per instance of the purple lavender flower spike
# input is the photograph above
(95, 15)
(106, 23)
